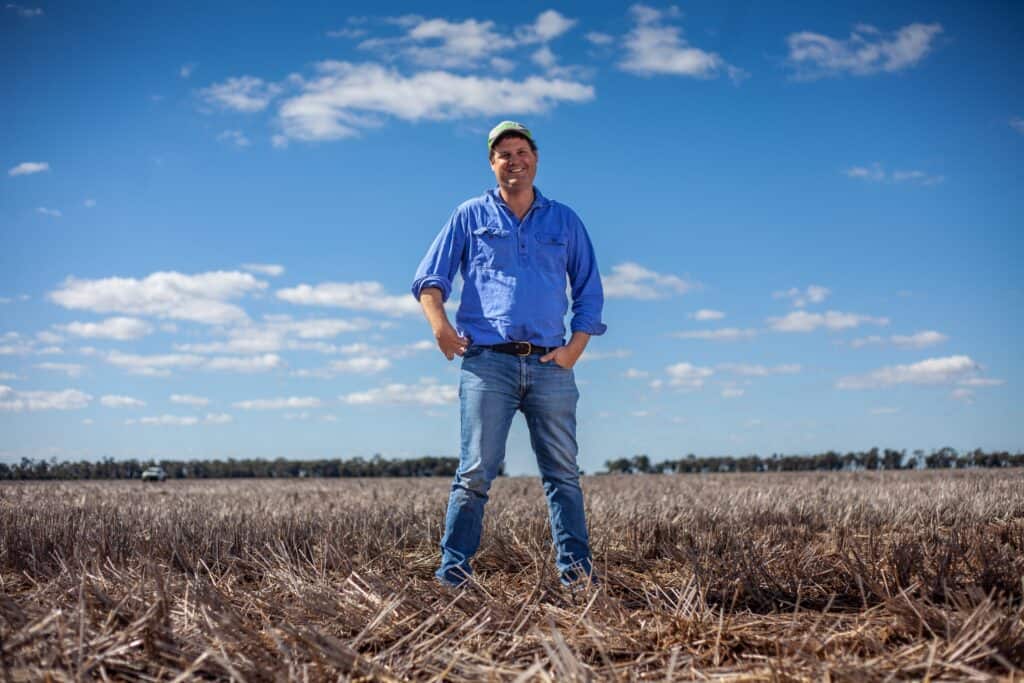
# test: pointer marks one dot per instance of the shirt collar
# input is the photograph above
(539, 200)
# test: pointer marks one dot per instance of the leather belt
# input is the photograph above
(520, 348)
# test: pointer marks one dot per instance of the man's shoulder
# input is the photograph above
(480, 202)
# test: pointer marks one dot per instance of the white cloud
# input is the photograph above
(687, 376)
(53, 213)
(425, 393)
(918, 340)
(590, 355)
(87, 421)
(597, 38)
(440, 43)
(961, 394)
(746, 370)
(114, 401)
(119, 328)
(28, 168)
(1017, 123)
(544, 57)
(70, 369)
(89, 203)
(7, 376)
(814, 294)
(502, 65)
(981, 382)
(468, 44)
(547, 26)
(27, 12)
(19, 401)
(291, 402)
(234, 137)
(186, 70)
(280, 332)
(346, 97)
(802, 321)
(268, 269)
(930, 371)
(153, 366)
(722, 334)
(653, 47)
(47, 337)
(363, 366)
(884, 411)
(200, 298)
(360, 296)
(190, 400)
(877, 174)
(249, 364)
(707, 314)
(633, 373)
(181, 420)
(244, 93)
(632, 281)
(166, 420)
(916, 177)
(351, 33)
(449, 44)
(732, 392)
(867, 51)
(864, 341)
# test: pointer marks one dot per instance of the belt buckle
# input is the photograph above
(529, 349)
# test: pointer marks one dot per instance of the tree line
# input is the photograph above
(108, 468)
(441, 466)
(829, 461)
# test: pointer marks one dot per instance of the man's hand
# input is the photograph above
(450, 343)
(448, 340)
(564, 356)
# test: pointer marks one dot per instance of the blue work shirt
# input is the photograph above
(514, 272)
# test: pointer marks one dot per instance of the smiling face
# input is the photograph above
(514, 163)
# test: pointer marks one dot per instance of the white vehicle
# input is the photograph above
(154, 474)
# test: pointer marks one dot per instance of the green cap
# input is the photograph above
(505, 127)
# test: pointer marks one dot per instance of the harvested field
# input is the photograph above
(850, 576)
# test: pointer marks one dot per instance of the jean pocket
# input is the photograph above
(472, 352)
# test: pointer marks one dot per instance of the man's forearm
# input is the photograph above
(578, 342)
(432, 301)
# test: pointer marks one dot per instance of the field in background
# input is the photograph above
(856, 576)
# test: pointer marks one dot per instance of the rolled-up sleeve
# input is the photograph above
(585, 281)
(441, 263)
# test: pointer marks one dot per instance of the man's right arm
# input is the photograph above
(433, 283)
(448, 340)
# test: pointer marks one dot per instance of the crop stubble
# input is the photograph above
(848, 576)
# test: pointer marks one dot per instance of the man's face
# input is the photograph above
(514, 164)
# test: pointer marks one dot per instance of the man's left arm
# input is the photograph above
(587, 296)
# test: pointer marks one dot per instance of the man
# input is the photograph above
(514, 249)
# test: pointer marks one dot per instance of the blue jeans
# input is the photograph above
(492, 387)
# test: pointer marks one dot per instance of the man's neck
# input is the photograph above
(519, 201)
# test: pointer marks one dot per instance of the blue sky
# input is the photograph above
(808, 222)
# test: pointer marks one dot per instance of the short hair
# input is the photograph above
(510, 134)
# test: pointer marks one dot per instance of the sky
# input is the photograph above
(807, 219)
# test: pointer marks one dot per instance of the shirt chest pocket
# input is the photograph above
(493, 247)
(552, 253)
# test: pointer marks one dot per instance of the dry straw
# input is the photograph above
(852, 576)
